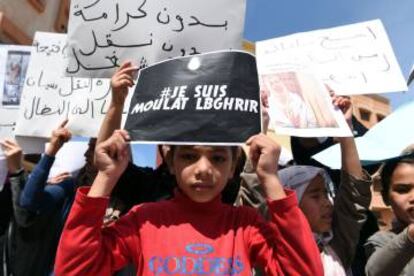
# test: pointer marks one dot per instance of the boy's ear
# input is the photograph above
(169, 160)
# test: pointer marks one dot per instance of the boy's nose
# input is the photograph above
(203, 167)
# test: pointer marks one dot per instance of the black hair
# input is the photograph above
(231, 190)
(388, 169)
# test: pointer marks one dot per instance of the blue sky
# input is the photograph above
(272, 18)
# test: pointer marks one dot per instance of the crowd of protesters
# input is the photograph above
(205, 210)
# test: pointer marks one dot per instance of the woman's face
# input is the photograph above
(401, 193)
(316, 206)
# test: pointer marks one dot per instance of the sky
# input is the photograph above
(274, 18)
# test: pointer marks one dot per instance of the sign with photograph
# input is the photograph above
(351, 59)
(14, 61)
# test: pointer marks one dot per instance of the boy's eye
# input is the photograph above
(187, 156)
(219, 158)
(402, 189)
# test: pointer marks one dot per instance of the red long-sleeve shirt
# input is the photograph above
(182, 237)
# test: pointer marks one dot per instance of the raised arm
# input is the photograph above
(350, 159)
(36, 195)
(120, 83)
(285, 244)
(354, 194)
(85, 247)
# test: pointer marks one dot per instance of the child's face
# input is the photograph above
(202, 172)
(316, 206)
(401, 193)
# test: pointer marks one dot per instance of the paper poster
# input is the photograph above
(70, 158)
(102, 34)
(300, 105)
(351, 59)
(49, 97)
(205, 99)
(387, 139)
(14, 61)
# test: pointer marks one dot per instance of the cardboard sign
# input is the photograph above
(351, 59)
(14, 61)
(49, 97)
(103, 34)
(206, 99)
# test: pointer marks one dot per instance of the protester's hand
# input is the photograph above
(14, 155)
(265, 113)
(264, 155)
(344, 104)
(121, 81)
(59, 178)
(59, 136)
(112, 155)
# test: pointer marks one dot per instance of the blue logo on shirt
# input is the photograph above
(198, 264)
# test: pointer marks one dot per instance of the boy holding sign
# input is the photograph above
(195, 232)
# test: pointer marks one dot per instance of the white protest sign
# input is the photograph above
(13, 66)
(70, 158)
(300, 105)
(104, 33)
(49, 97)
(351, 59)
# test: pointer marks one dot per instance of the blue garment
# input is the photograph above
(37, 196)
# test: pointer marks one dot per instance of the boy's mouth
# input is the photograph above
(201, 186)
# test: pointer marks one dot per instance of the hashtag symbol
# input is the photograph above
(165, 93)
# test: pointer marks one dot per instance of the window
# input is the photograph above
(380, 117)
(365, 114)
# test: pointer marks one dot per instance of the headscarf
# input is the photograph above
(298, 179)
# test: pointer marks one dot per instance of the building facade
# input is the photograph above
(20, 19)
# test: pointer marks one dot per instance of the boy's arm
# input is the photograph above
(288, 245)
(389, 254)
(120, 83)
(85, 247)
(353, 197)
(284, 245)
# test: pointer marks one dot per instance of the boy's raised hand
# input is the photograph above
(112, 155)
(264, 154)
(111, 159)
(121, 81)
(59, 136)
(344, 104)
(14, 155)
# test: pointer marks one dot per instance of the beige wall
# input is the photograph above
(374, 105)
(25, 17)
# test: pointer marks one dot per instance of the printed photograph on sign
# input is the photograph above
(16, 68)
(300, 105)
(210, 98)
(352, 59)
